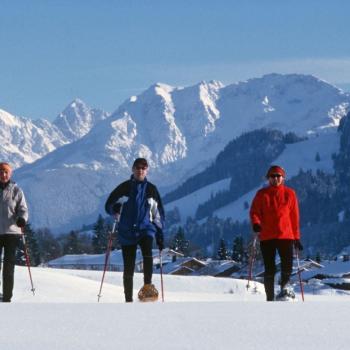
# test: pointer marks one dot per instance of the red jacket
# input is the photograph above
(275, 209)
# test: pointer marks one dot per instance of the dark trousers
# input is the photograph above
(8, 244)
(269, 248)
(129, 257)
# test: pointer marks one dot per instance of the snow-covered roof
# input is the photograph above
(187, 262)
(115, 258)
(331, 269)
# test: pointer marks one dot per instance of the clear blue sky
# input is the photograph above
(105, 51)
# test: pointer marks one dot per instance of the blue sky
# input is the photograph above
(105, 51)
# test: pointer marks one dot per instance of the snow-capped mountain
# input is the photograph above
(77, 119)
(180, 131)
(24, 140)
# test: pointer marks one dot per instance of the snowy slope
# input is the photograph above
(187, 205)
(64, 314)
(180, 131)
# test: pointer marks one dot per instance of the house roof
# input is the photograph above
(115, 258)
(219, 268)
(189, 262)
(330, 269)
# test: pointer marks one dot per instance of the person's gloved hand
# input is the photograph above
(160, 239)
(257, 228)
(20, 222)
(298, 245)
(116, 208)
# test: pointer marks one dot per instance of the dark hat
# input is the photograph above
(140, 162)
(276, 169)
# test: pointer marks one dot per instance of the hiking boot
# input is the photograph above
(148, 293)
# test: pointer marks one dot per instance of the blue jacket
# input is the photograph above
(140, 208)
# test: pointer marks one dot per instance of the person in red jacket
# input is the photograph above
(274, 215)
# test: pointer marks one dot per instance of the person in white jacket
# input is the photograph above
(13, 218)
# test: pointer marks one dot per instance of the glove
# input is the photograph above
(160, 239)
(257, 228)
(298, 245)
(20, 222)
(116, 208)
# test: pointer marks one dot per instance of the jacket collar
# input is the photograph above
(4, 185)
(136, 181)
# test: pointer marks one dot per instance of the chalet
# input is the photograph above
(183, 266)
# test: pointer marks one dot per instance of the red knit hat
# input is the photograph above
(6, 166)
(276, 169)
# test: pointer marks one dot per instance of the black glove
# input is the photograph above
(116, 208)
(257, 228)
(298, 245)
(160, 239)
(20, 222)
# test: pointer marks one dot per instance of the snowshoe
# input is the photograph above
(148, 293)
(286, 294)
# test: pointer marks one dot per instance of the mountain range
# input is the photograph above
(25, 140)
(79, 158)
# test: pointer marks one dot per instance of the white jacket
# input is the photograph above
(12, 206)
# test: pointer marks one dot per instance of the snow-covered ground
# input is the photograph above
(198, 313)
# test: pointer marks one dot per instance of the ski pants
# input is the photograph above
(284, 247)
(8, 244)
(129, 257)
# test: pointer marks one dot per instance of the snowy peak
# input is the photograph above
(24, 140)
(196, 109)
(77, 119)
(156, 133)
(292, 102)
(167, 118)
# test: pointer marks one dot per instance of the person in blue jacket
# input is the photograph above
(137, 206)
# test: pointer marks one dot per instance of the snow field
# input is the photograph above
(199, 313)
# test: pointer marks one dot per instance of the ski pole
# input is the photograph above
(161, 274)
(251, 261)
(299, 274)
(27, 261)
(108, 250)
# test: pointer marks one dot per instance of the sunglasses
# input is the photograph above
(275, 175)
(140, 167)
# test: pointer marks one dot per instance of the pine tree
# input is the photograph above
(222, 251)
(179, 243)
(49, 246)
(238, 249)
(32, 246)
(317, 157)
(100, 237)
(71, 244)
